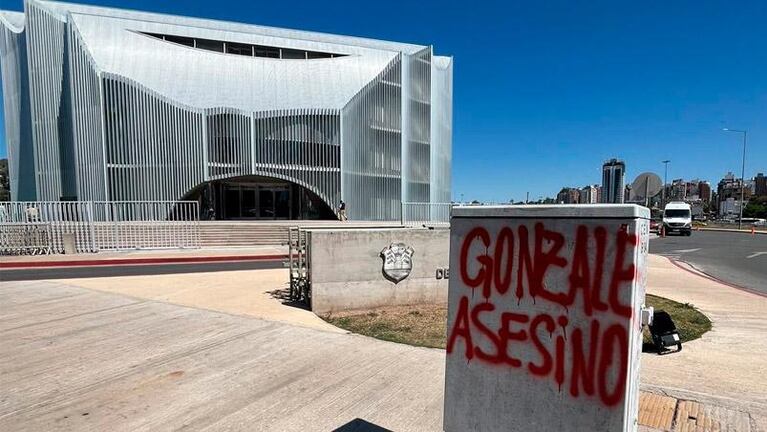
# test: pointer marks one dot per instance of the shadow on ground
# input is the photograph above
(283, 295)
(359, 425)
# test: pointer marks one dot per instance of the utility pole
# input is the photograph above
(527, 198)
(665, 181)
(742, 175)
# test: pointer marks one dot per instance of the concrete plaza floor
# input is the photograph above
(223, 353)
(252, 293)
(77, 359)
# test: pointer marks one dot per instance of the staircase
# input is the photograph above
(233, 234)
(268, 233)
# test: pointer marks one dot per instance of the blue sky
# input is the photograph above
(545, 91)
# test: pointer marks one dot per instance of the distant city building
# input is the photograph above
(589, 194)
(613, 173)
(692, 190)
(760, 185)
(728, 193)
(599, 194)
(568, 195)
(627, 194)
(678, 190)
(729, 207)
(704, 191)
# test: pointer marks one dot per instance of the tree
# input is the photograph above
(756, 208)
(5, 181)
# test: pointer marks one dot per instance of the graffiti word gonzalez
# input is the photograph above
(517, 277)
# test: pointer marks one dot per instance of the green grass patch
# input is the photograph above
(425, 325)
(690, 322)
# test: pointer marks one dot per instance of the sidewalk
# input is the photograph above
(154, 256)
(727, 367)
(252, 293)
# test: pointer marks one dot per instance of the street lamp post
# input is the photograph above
(665, 181)
(742, 175)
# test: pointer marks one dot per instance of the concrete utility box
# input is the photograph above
(544, 317)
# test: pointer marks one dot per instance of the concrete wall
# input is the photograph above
(347, 268)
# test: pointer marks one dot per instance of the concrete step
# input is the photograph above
(242, 234)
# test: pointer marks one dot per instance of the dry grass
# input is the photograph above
(422, 325)
(425, 325)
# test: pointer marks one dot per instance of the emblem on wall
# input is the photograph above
(397, 261)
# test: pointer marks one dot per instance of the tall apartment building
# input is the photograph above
(760, 185)
(613, 181)
(568, 195)
(728, 193)
(589, 194)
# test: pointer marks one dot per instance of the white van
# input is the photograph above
(677, 217)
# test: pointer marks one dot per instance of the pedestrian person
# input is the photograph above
(342, 211)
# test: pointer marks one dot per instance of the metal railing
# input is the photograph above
(19, 238)
(98, 225)
(420, 213)
(300, 281)
(146, 224)
(61, 217)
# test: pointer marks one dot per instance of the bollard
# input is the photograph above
(545, 309)
(753, 230)
(663, 231)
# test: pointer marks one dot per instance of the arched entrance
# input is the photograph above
(258, 198)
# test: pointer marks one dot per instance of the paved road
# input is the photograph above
(737, 258)
(133, 270)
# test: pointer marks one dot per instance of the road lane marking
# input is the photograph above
(756, 254)
(685, 250)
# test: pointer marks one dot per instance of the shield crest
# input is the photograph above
(397, 261)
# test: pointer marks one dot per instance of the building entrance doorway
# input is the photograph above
(256, 201)
(258, 198)
(274, 202)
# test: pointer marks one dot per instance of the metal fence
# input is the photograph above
(300, 282)
(146, 224)
(19, 238)
(418, 213)
(43, 226)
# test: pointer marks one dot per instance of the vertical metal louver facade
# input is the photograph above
(18, 127)
(51, 122)
(416, 140)
(441, 130)
(87, 112)
(370, 124)
(372, 148)
(154, 149)
(301, 146)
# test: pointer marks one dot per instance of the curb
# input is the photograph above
(140, 261)
(735, 230)
(700, 273)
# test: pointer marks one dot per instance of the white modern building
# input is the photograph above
(729, 207)
(254, 122)
(589, 194)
